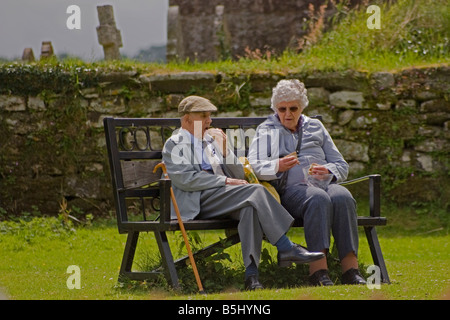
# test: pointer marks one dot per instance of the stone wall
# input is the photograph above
(52, 144)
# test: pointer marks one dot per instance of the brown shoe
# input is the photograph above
(320, 278)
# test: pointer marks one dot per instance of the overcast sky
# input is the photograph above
(26, 23)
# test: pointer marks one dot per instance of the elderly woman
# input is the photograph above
(291, 150)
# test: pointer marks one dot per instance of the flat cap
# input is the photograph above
(196, 104)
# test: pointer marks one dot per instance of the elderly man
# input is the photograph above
(208, 182)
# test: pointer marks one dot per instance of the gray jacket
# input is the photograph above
(185, 171)
(272, 141)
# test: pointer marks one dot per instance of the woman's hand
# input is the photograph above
(287, 162)
(318, 170)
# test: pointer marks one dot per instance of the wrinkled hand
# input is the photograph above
(235, 181)
(318, 170)
(287, 162)
(220, 138)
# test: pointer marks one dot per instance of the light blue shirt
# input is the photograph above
(199, 150)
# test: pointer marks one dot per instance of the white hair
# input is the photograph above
(289, 90)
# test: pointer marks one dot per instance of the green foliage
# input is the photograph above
(37, 227)
(411, 33)
(45, 76)
(233, 94)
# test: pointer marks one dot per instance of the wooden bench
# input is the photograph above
(134, 148)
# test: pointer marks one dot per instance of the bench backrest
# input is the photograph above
(135, 147)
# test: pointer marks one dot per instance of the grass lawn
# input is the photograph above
(35, 256)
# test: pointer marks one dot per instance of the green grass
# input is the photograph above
(36, 254)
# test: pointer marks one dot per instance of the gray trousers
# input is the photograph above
(257, 211)
(324, 210)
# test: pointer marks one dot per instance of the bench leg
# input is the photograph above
(167, 259)
(128, 254)
(377, 255)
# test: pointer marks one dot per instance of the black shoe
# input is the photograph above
(352, 276)
(252, 283)
(320, 278)
(298, 255)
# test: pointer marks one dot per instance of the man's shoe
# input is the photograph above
(252, 283)
(298, 255)
(320, 278)
(352, 276)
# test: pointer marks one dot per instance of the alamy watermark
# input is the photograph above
(73, 22)
(374, 21)
(374, 280)
(74, 280)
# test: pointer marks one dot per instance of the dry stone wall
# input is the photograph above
(52, 145)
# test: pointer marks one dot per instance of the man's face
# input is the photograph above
(197, 123)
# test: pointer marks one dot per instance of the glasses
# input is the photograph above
(291, 109)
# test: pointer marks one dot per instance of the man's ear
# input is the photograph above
(185, 118)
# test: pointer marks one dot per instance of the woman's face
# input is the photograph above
(289, 113)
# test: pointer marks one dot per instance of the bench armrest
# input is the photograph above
(374, 192)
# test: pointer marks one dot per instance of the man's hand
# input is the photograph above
(220, 138)
(235, 181)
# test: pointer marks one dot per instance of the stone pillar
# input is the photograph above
(108, 35)
(174, 35)
(28, 55)
(46, 50)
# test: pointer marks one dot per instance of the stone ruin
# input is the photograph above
(208, 30)
(108, 35)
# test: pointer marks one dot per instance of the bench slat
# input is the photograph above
(172, 225)
(139, 173)
(130, 155)
(365, 221)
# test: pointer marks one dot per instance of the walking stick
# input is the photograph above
(183, 231)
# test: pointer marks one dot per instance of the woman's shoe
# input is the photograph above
(320, 278)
